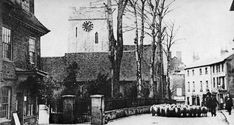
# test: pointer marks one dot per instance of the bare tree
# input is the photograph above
(133, 4)
(137, 12)
(152, 26)
(115, 45)
(158, 9)
(169, 41)
(141, 41)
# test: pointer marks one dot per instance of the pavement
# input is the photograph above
(229, 118)
(148, 119)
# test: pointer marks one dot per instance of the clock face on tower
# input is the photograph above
(87, 26)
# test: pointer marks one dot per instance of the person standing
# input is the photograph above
(213, 105)
(229, 104)
(208, 100)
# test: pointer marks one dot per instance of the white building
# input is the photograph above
(212, 74)
(88, 31)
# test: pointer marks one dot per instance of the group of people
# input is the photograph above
(212, 103)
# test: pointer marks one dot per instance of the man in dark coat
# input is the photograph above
(208, 100)
(229, 104)
(213, 105)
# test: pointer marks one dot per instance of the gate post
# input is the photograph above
(68, 108)
(97, 110)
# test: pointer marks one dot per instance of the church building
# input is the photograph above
(88, 31)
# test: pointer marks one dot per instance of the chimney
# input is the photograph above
(195, 57)
(223, 52)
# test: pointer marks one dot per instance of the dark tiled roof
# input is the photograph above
(91, 64)
(29, 20)
(55, 66)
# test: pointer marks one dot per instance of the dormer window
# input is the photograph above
(25, 5)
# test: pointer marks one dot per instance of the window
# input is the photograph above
(5, 96)
(32, 50)
(6, 40)
(96, 38)
(207, 85)
(76, 32)
(187, 72)
(193, 86)
(222, 67)
(206, 70)
(188, 86)
(218, 81)
(223, 83)
(25, 5)
(188, 101)
(201, 89)
(213, 82)
(193, 71)
(217, 68)
(179, 91)
(200, 71)
(213, 69)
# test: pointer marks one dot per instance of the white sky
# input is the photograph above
(206, 26)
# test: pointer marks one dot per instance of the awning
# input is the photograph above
(31, 72)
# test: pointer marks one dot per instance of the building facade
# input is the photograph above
(214, 75)
(88, 31)
(20, 33)
(197, 82)
(177, 81)
(177, 78)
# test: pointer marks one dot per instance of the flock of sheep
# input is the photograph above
(178, 110)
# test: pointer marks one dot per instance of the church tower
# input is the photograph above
(88, 31)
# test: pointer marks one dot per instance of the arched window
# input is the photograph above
(96, 38)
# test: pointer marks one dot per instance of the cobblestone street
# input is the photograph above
(147, 119)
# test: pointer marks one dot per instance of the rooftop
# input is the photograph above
(209, 61)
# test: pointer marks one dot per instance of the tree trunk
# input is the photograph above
(141, 43)
(137, 52)
(161, 86)
(118, 53)
(152, 68)
(112, 44)
(168, 77)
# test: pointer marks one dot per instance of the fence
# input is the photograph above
(111, 104)
(82, 106)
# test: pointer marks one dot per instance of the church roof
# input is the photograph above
(91, 64)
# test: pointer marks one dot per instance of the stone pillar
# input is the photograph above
(68, 108)
(97, 110)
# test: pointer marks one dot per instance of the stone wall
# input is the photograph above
(115, 114)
